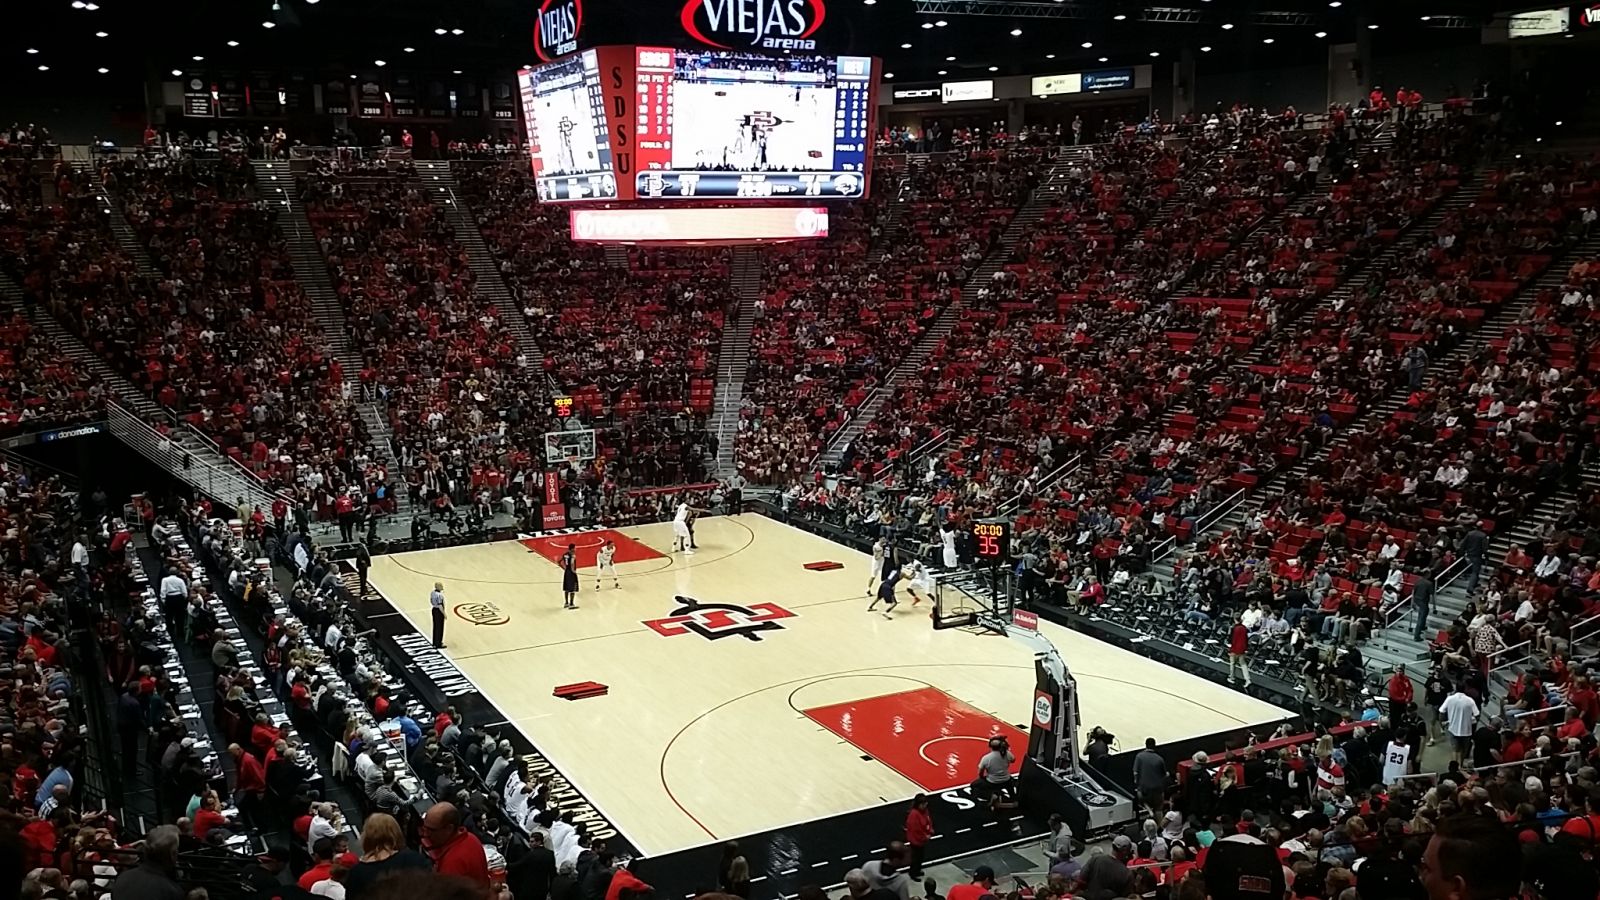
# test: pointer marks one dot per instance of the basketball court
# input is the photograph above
(744, 692)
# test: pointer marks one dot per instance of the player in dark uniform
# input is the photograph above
(569, 576)
(891, 577)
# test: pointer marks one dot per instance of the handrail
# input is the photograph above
(1444, 579)
(939, 439)
(1572, 631)
(1205, 520)
(1073, 462)
(1527, 654)
(828, 445)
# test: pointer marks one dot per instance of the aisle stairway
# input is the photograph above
(733, 356)
(127, 239)
(275, 184)
(1028, 214)
(439, 180)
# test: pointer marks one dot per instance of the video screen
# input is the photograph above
(796, 125)
(564, 111)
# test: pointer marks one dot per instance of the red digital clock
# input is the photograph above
(991, 540)
(563, 407)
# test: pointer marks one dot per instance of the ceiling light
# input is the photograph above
(927, 24)
(1558, 123)
(1016, 32)
(312, 2)
(994, 68)
(77, 4)
(906, 46)
(1373, 27)
(177, 73)
(269, 24)
(379, 63)
(944, 71)
(1087, 44)
(198, 58)
(869, 2)
(1322, 34)
(103, 70)
(439, 31)
(457, 32)
(949, 59)
(1426, 18)
(1227, 26)
(352, 78)
(1049, 56)
(32, 51)
(91, 7)
(101, 34)
(1119, 17)
(886, 74)
(1154, 53)
(1105, 59)
(1266, 40)
(1202, 50)
(233, 43)
(941, 23)
(1334, 4)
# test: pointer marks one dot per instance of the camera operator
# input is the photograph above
(994, 781)
(1099, 746)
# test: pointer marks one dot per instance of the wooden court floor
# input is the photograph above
(776, 698)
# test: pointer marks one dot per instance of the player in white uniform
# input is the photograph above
(603, 564)
(920, 585)
(948, 536)
(682, 539)
(878, 551)
(1396, 759)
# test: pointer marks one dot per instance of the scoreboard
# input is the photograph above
(991, 540)
(654, 123)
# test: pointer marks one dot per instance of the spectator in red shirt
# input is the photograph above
(454, 850)
(250, 784)
(323, 851)
(1401, 690)
(919, 830)
(209, 815)
(263, 735)
(1238, 643)
(1573, 727)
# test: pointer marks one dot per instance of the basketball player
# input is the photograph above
(682, 536)
(569, 576)
(878, 552)
(603, 564)
(891, 577)
(947, 537)
(920, 585)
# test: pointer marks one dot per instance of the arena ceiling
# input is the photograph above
(56, 42)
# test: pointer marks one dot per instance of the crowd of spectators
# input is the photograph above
(837, 316)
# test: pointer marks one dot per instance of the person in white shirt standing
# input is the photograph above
(603, 563)
(174, 603)
(877, 564)
(1396, 761)
(1460, 714)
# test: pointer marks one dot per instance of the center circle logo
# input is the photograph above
(481, 613)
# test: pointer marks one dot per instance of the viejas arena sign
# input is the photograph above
(555, 32)
(768, 24)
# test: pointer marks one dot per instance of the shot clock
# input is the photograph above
(991, 541)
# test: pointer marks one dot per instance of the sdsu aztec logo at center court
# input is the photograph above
(715, 621)
(772, 24)
(555, 31)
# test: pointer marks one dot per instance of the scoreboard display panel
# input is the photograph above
(723, 123)
(563, 111)
(619, 123)
(991, 540)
